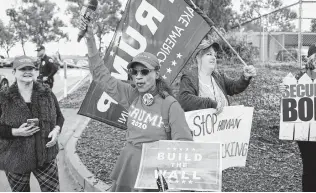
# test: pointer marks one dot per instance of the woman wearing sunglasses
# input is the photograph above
(144, 103)
(204, 87)
(30, 122)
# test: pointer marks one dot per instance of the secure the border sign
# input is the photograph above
(185, 165)
(232, 128)
(298, 121)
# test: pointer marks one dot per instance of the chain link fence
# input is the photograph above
(274, 40)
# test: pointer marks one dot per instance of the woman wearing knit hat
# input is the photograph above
(144, 102)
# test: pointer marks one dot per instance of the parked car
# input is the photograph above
(1, 61)
(8, 62)
(291, 55)
(304, 54)
(82, 64)
(3, 82)
(70, 63)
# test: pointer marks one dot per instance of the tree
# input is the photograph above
(34, 20)
(43, 27)
(313, 25)
(219, 11)
(107, 16)
(278, 21)
(7, 38)
(20, 26)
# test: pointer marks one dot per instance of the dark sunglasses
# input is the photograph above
(143, 71)
(26, 69)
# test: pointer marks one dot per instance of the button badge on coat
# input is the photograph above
(148, 99)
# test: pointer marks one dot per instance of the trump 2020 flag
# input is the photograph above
(169, 29)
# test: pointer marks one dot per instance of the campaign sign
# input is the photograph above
(297, 121)
(231, 128)
(185, 165)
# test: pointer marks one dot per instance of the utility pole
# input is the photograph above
(300, 34)
(263, 46)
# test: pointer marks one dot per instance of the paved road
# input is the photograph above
(66, 182)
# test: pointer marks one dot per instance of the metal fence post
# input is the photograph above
(65, 80)
(263, 43)
(300, 34)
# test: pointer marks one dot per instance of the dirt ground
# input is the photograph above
(272, 164)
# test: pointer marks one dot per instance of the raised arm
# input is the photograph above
(235, 86)
(121, 92)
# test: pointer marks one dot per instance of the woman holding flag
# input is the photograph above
(204, 87)
(145, 101)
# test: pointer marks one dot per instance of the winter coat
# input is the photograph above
(189, 89)
(24, 154)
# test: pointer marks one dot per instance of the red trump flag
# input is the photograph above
(169, 29)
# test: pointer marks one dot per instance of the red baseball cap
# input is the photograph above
(147, 59)
(22, 61)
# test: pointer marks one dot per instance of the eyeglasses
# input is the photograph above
(143, 71)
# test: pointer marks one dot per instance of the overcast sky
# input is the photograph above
(74, 48)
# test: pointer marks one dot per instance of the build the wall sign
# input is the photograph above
(298, 106)
(185, 165)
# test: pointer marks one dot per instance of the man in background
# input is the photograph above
(47, 67)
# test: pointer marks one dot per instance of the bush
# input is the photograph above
(245, 50)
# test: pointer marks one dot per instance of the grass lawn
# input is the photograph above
(272, 164)
(75, 99)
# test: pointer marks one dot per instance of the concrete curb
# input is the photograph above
(75, 86)
(76, 168)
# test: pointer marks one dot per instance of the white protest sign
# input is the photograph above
(287, 128)
(232, 128)
(297, 120)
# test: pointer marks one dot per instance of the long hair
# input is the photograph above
(163, 87)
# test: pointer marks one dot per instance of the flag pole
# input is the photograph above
(212, 24)
(223, 38)
(161, 180)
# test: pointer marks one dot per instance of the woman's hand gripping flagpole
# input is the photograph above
(89, 36)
